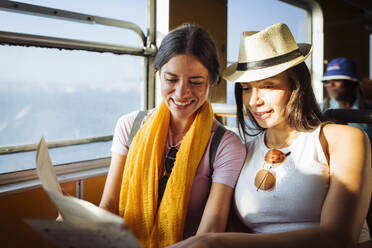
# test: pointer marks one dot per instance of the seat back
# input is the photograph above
(348, 115)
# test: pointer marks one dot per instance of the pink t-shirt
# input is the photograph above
(228, 162)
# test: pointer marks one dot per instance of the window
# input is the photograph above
(71, 94)
(131, 11)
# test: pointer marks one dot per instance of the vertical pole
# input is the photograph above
(79, 189)
(149, 77)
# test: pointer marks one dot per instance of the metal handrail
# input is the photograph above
(20, 180)
(54, 144)
(219, 109)
(71, 44)
(71, 16)
(223, 109)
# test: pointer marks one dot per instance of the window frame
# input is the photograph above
(316, 38)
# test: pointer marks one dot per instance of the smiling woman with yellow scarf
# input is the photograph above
(163, 185)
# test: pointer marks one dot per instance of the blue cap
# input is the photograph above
(340, 69)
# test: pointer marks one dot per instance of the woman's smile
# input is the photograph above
(184, 85)
(182, 104)
(262, 114)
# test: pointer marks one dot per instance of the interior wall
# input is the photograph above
(93, 189)
(345, 34)
(35, 204)
(30, 204)
(213, 19)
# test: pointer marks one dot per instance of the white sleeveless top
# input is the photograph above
(296, 200)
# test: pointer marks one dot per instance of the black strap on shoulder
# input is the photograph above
(136, 125)
(220, 131)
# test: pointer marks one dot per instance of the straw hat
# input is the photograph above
(265, 54)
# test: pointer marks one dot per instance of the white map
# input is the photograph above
(84, 224)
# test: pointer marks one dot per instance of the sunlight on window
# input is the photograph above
(67, 94)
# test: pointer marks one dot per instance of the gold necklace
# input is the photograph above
(178, 133)
(173, 137)
(173, 133)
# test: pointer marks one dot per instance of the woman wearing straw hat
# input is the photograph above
(304, 183)
(163, 181)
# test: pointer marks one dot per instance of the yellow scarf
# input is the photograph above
(138, 204)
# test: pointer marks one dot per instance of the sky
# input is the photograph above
(68, 94)
(72, 71)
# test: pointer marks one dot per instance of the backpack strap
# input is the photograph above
(136, 125)
(220, 131)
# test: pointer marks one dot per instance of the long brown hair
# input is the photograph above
(303, 113)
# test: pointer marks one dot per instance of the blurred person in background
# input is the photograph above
(344, 90)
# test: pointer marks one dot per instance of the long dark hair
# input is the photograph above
(193, 40)
(303, 113)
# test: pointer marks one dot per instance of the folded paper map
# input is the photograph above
(84, 224)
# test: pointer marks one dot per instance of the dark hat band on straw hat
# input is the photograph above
(265, 54)
(269, 62)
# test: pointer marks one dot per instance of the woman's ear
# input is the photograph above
(210, 92)
(217, 82)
